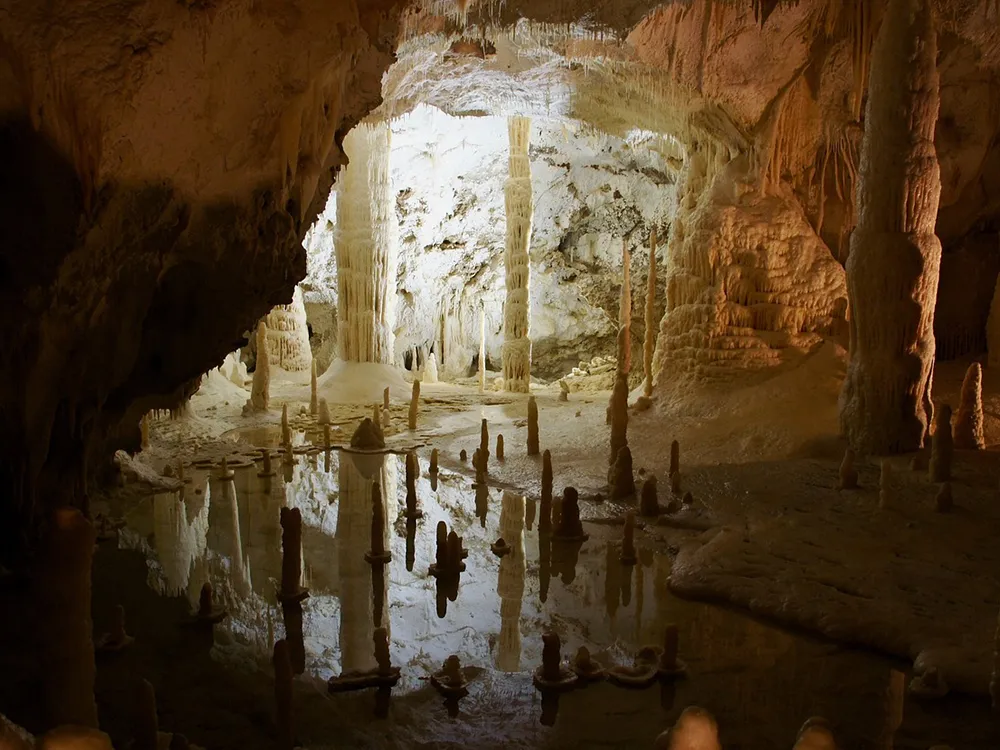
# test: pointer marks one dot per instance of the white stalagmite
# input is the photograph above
(431, 368)
(366, 248)
(260, 390)
(893, 268)
(288, 335)
(517, 309)
(482, 350)
(649, 342)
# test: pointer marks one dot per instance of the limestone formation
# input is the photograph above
(625, 313)
(532, 426)
(366, 247)
(313, 398)
(208, 613)
(517, 306)
(377, 553)
(848, 473)
(649, 504)
(546, 498)
(412, 469)
(385, 398)
(414, 405)
(695, 729)
(942, 446)
(368, 436)
(893, 266)
(433, 469)
(283, 677)
(291, 555)
(430, 368)
(969, 419)
(622, 479)
(619, 417)
(553, 675)
(649, 340)
(484, 446)
(261, 387)
(326, 438)
(144, 431)
(449, 680)
(286, 431)
(570, 527)
(288, 335)
(675, 483)
(386, 420)
(628, 555)
(324, 412)
(499, 451)
(675, 457)
(463, 455)
(482, 351)
(377, 414)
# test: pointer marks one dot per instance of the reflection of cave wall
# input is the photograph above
(590, 191)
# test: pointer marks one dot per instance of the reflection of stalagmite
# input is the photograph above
(366, 248)
(65, 631)
(893, 266)
(240, 563)
(313, 400)
(510, 582)
(180, 528)
(895, 697)
(517, 307)
(291, 554)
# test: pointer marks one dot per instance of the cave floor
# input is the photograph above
(767, 531)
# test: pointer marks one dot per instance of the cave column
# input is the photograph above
(517, 307)
(365, 242)
(892, 272)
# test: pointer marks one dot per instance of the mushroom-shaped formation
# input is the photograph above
(643, 672)
(585, 667)
(449, 680)
(553, 675)
(500, 547)
(116, 639)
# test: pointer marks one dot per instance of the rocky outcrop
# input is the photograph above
(162, 161)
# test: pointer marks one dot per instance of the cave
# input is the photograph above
(432, 373)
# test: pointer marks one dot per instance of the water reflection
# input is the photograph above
(761, 683)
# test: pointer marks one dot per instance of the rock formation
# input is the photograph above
(649, 340)
(619, 417)
(313, 399)
(969, 419)
(649, 504)
(625, 312)
(893, 267)
(366, 248)
(517, 307)
(288, 336)
(532, 426)
(260, 390)
(622, 479)
(414, 405)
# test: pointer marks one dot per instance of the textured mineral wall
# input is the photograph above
(288, 335)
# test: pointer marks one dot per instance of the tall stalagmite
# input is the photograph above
(260, 390)
(892, 271)
(649, 342)
(366, 248)
(517, 308)
(625, 310)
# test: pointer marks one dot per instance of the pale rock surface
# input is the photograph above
(288, 336)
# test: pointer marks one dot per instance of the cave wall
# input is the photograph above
(448, 172)
(162, 161)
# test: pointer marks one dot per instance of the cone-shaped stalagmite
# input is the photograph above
(484, 446)
(942, 446)
(649, 342)
(499, 447)
(313, 398)
(628, 555)
(260, 390)
(516, 353)
(545, 519)
(532, 426)
(414, 405)
(625, 312)
(622, 481)
(969, 420)
(893, 266)
(291, 553)
(649, 504)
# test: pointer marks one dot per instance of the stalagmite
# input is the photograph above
(385, 398)
(482, 350)
(377, 414)
(848, 474)
(484, 446)
(291, 555)
(570, 527)
(117, 638)
(619, 417)
(675, 457)
(377, 553)
(499, 447)
(622, 480)
(366, 247)
(995, 676)
(649, 340)
(412, 469)
(893, 267)
(386, 420)
(145, 724)
(65, 633)
(516, 353)
(649, 504)
(313, 402)
(628, 555)
(943, 502)
(144, 431)
(431, 368)
(969, 419)
(288, 335)
(286, 432)
(942, 446)
(261, 387)
(326, 437)
(324, 412)
(434, 462)
(675, 483)
(283, 695)
(414, 405)
(532, 426)
(625, 312)
(815, 734)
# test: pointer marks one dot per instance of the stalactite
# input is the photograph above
(892, 271)
(516, 353)
(366, 248)
(649, 340)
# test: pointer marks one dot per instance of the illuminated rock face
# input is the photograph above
(155, 210)
(288, 335)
